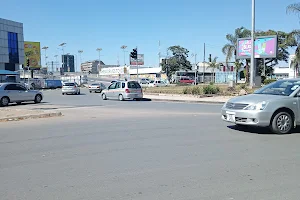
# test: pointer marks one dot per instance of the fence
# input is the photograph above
(225, 77)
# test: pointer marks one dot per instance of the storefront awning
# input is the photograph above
(7, 72)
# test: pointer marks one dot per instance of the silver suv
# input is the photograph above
(123, 90)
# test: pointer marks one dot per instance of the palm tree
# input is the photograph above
(229, 49)
(213, 65)
(238, 66)
(295, 63)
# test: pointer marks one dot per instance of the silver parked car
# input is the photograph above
(18, 93)
(70, 88)
(96, 87)
(276, 105)
(123, 90)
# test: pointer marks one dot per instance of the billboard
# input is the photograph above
(32, 52)
(140, 60)
(265, 47)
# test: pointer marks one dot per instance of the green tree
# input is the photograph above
(285, 41)
(229, 49)
(213, 65)
(178, 61)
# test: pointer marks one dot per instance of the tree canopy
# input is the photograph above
(178, 60)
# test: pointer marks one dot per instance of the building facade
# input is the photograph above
(68, 63)
(92, 67)
(11, 49)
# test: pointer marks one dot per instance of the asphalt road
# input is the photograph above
(143, 151)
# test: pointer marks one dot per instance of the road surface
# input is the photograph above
(143, 151)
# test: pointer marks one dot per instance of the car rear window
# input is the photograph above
(133, 84)
(95, 84)
(69, 84)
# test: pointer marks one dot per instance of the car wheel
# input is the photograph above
(38, 98)
(104, 96)
(19, 103)
(282, 123)
(121, 98)
(138, 99)
(78, 93)
(63, 93)
(4, 101)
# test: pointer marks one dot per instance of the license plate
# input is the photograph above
(230, 116)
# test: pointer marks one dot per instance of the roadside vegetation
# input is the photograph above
(201, 90)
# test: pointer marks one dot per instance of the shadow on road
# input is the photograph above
(256, 130)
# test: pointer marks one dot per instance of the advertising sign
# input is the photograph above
(140, 60)
(33, 53)
(265, 47)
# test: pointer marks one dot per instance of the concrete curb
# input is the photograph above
(189, 101)
(34, 116)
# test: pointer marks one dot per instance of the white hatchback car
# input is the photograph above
(123, 90)
(70, 88)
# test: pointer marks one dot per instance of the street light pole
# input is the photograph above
(45, 48)
(80, 52)
(62, 45)
(55, 61)
(252, 73)
(124, 47)
(99, 50)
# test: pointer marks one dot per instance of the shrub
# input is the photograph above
(211, 89)
(268, 81)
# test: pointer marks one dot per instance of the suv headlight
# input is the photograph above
(258, 106)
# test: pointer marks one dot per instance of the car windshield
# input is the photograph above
(96, 84)
(282, 87)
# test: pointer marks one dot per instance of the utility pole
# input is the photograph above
(45, 48)
(252, 73)
(62, 45)
(196, 70)
(203, 77)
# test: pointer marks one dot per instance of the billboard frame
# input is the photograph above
(32, 56)
(140, 60)
(257, 56)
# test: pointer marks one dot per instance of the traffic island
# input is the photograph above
(10, 114)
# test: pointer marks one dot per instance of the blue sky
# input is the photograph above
(87, 25)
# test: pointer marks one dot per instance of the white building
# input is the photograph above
(11, 49)
(285, 72)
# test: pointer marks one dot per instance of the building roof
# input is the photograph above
(7, 72)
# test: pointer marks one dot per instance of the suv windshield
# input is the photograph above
(133, 84)
(282, 87)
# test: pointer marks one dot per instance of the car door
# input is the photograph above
(12, 92)
(118, 90)
(110, 90)
(24, 94)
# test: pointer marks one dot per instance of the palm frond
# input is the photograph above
(293, 8)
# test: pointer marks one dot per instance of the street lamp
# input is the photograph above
(62, 45)
(56, 61)
(45, 48)
(80, 52)
(99, 50)
(124, 47)
(252, 67)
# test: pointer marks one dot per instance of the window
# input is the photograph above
(13, 50)
(112, 86)
(123, 85)
(20, 88)
(69, 84)
(118, 85)
(14, 87)
(133, 84)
